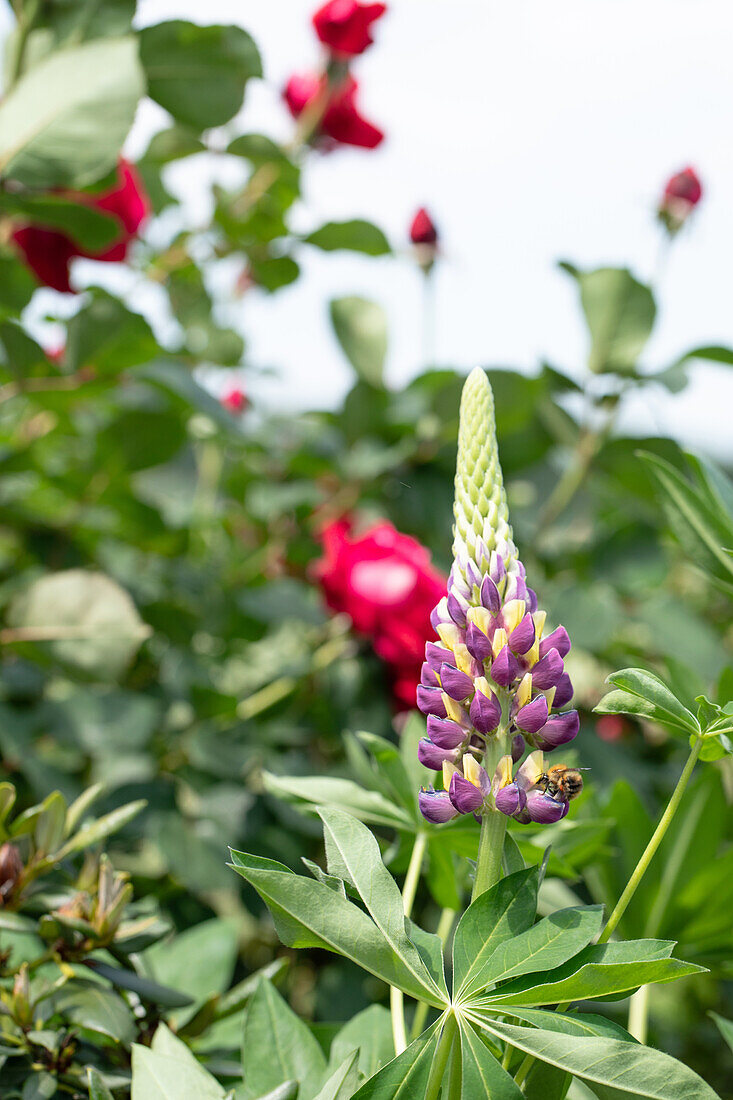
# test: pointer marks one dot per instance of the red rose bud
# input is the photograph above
(423, 229)
(681, 195)
(48, 253)
(341, 123)
(345, 25)
(235, 401)
(424, 236)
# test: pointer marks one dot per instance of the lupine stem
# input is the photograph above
(440, 1061)
(490, 852)
(638, 1013)
(409, 889)
(657, 837)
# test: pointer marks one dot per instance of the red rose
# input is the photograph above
(423, 229)
(386, 583)
(681, 195)
(235, 400)
(341, 122)
(49, 252)
(344, 25)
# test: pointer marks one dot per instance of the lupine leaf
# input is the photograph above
(278, 1047)
(658, 702)
(725, 1027)
(482, 1074)
(545, 945)
(369, 1032)
(343, 1081)
(505, 910)
(308, 914)
(391, 769)
(575, 1023)
(598, 971)
(405, 1077)
(619, 312)
(353, 854)
(318, 790)
(621, 1069)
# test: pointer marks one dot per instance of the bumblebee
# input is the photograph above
(561, 783)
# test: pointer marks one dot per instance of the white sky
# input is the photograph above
(534, 132)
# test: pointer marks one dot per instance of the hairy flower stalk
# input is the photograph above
(493, 684)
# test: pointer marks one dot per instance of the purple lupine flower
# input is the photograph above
(432, 756)
(455, 683)
(544, 809)
(436, 806)
(493, 684)
(445, 733)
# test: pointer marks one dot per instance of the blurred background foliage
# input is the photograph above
(163, 631)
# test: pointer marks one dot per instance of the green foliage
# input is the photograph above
(361, 329)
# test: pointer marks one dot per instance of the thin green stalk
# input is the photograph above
(657, 837)
(455, 1082)
(522, 1073)
(421, 1011)
(409, 889)
(440, 1061)
(490, 852)
(26, 20)
(639, 1013)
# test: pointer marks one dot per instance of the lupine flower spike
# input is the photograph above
(493, 683)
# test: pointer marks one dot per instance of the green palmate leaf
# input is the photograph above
(550, 942)
(361, 330)
(369, 806)
(611, 1067)
(278, 1047)
(97, 1088)
(93, 622)
(599, 971)
(495, 916)
(353, 854)
(546, 1082)
(576, 1023)
(405, 1077)
(392, 775)
(288, 1091)
(356, 236)
(369, 1033)
(482, 1074)
(308, 914)
(620, 315)
(343, 1082)
(64, 122)
(725, 1027)
(198, 73)
(655, 700)
(87, 226)
(49, 825)
(67, 21)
